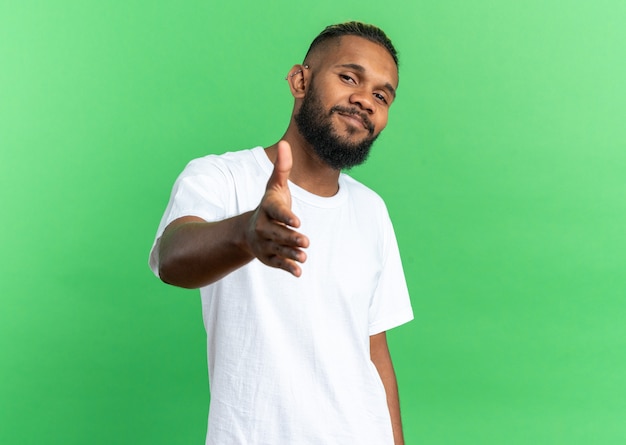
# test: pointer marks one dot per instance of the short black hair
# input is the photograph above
(369, 32)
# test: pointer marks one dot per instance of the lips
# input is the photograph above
(355, 116)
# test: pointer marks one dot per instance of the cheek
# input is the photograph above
(381, 121)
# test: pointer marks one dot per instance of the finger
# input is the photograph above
(282, 257)
(282, 166)
(280, 235)
(289, 253)
(288, 265)
(278, 211)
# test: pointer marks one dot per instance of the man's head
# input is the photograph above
(359, 29)
(343, 92)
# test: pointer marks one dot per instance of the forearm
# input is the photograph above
(194, 253)
(393, 402)
(382, 360)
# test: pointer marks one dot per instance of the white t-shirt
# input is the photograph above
(288, 357)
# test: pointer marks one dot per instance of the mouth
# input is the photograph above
(355, 118)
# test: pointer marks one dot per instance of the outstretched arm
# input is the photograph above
(379, 352)
(194, 253)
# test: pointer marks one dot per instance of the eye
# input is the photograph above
(347, 78)
(380, 97)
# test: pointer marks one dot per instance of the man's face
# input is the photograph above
(347, 101)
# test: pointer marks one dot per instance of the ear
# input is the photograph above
(298, 80)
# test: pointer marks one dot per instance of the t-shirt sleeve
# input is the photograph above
(391, 305)
(200, 190)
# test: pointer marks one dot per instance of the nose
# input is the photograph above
(363, 100)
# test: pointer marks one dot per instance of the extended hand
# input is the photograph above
(269, 234)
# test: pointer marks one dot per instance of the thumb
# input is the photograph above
(282, 166)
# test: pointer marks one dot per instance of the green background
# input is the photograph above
(503, 166)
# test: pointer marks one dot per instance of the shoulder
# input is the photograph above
(222, 162)
(360, 193)
(226, 168)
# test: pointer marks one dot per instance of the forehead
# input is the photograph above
(354, 50)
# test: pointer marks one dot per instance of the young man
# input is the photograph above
(297, 263)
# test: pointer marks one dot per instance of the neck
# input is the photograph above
(308, 171)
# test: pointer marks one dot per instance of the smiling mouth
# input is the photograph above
(355, 117)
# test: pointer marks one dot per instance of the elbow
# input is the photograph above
(172, 272)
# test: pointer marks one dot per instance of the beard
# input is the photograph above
(315, 125)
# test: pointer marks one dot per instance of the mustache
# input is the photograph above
(363, 116)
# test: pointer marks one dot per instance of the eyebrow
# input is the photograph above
(361, 69)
